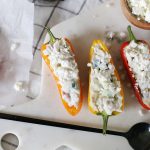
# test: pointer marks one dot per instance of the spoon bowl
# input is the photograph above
(139, 136)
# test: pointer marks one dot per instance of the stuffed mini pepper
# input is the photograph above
(136, 57)
(105, 96)
(59, 56)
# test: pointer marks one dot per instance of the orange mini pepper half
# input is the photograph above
(71, 110)
(102, 113)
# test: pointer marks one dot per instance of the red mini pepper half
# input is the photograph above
(127, 67)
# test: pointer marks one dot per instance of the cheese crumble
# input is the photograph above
(140, 8)
(65, 68)
(104, 86)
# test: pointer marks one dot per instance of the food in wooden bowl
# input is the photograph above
(137, 12)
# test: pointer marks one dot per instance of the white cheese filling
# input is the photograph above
(104, 87)
(138, 57)
(140, 8)
(65, 68)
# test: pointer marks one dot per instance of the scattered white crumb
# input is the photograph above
(19, 86)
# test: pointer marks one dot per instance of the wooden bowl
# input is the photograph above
(132, 18)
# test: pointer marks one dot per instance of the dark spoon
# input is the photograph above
(138, 136)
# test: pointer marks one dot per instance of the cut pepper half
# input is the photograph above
(102, 113)
(71, 110)
(127, 67)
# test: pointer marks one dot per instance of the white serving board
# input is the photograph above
(36, 137)
(82, 30)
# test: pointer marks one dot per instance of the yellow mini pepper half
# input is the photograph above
(102, 113)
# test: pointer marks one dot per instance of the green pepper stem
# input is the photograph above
(131, 35)
(52, 37)
(105, 121)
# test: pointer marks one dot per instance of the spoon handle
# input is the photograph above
(117, 133)
(56, 124)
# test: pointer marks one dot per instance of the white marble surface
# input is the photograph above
(81, 30)
(35, 137)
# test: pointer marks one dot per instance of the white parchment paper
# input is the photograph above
(16, 38)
